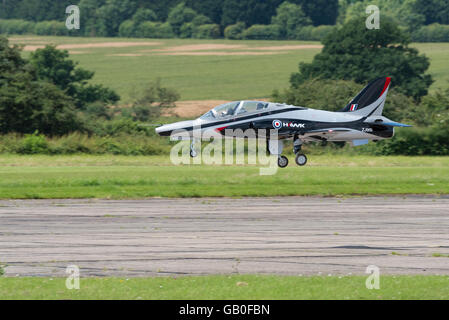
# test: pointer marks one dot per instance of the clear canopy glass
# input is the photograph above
(235, 108)
(251, 106)
(222, 111)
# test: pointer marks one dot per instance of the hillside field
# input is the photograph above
(203, 69)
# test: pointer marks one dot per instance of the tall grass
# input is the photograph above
(123, 144)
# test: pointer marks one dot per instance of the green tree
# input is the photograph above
(89, 17)
(130, 28)
(179, 15)
(320, 11)
(151, 100)
(233, 12)
(262, 32)
(112, 14)
(290, 17)
(434, 11)
(54, 66)
(248, 11)
(353, 52)
(27, 104)
(39, 10)
(207, 31)
(201, 19)
(235, 31)
(210, 8)
(8, 9)
(401, 11)
(434, 110)
(161, 8)
(143, 15)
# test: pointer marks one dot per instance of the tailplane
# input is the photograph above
(371, 100)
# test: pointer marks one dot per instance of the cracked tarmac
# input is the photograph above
(285, 235)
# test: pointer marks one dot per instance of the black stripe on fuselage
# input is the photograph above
(359, 125)
(231, 120)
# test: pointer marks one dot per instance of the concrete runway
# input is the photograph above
(290, 236)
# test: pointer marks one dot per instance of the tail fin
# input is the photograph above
(371, 100)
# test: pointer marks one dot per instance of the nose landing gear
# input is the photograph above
(275, 147)
(193, 153)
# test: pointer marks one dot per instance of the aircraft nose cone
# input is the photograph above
(168, 129)
(163, 130)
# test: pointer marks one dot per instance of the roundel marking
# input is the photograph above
(277, 124)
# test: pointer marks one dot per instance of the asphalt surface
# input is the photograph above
(290, 236)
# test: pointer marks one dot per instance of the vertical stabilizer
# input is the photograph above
(371, 100)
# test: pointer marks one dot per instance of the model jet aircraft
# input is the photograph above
(359, 122)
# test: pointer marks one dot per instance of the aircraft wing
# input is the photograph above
(322, 134)
(385, 122)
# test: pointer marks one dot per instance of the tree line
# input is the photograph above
(45, 92)
(353, 56)
(227, 12)
(222, 12)
(425, 20)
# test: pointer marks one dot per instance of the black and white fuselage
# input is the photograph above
(288, 121)
(359, 122)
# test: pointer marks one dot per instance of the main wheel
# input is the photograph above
(282, 162)
(301, 159)
(193, 153)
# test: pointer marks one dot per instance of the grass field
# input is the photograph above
(116, 177)
(206, 72)
(245, 287)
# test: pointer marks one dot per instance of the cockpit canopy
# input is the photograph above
(236, 108)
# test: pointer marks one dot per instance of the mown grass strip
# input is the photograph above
(121, 182)
(229, 287)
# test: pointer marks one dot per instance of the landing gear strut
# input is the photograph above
(275, 147)
(193, 153)
(300, 158)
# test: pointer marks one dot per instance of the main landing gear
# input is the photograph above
(300, 158)
(275, 147)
